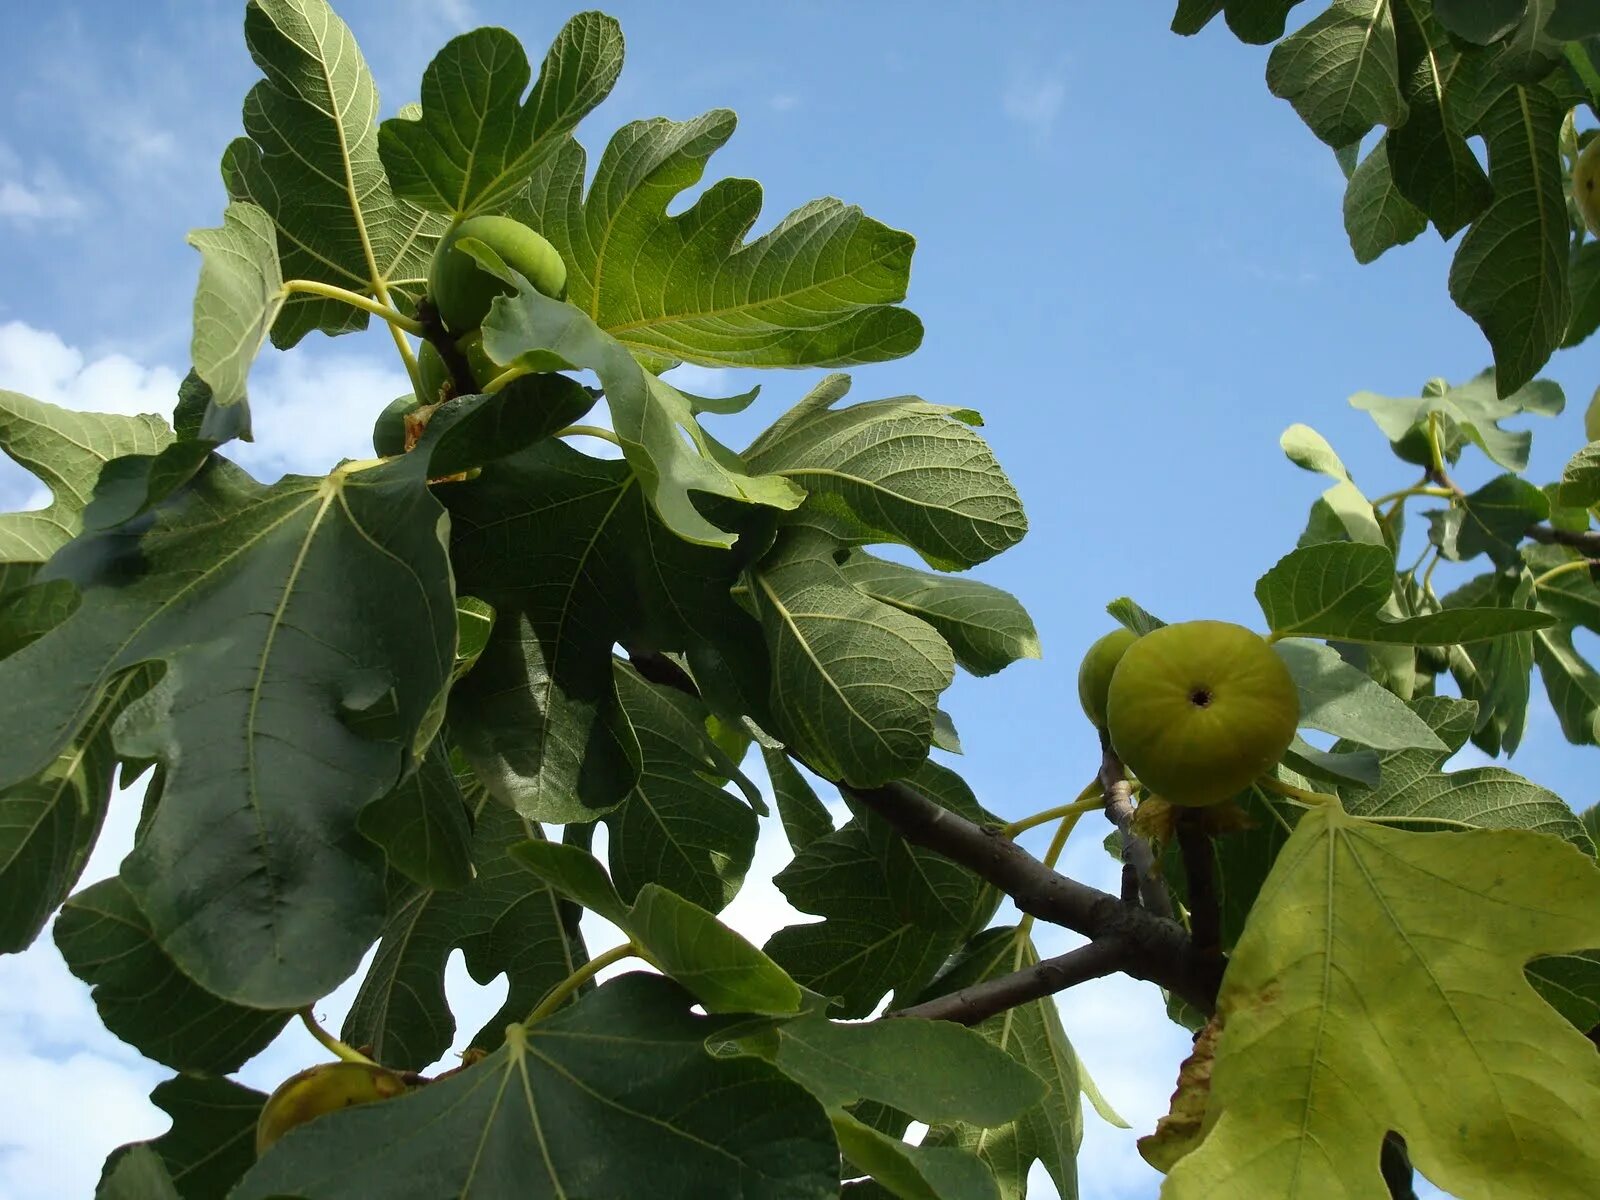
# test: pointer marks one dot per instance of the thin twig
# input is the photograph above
(1136, 851)
(971, 1005)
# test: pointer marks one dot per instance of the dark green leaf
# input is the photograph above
(1530, 53)
(676, 828)
(855, 681)
(931, 1070)
(1571, 683)
(538, 715)
(477, 141)
(615, 1096)
(1510, 272)
(1480, 21)
(1258, 21)
(212, 1141)
(503, 921)
(893, 913)
(1571, 984)
(49, 823)
(986, 628)
(1341, 72)
(805, 818)
(1583, 280)
(1049, 1132)
(422, 824)
(1194, 15)
(1571, 20)
(1429, 158)
(897, 470)
(1495, 674)
(1376, 216)
(335, 597)
(1494, 519)
(310, 159)
(106, 942)
(1580, 478)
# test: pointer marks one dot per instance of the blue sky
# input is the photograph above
(1130, 259)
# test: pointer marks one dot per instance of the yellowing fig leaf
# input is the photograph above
(1378, 985)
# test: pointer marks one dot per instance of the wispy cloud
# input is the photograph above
(1033, 99)
(35, 193)
(785, 102)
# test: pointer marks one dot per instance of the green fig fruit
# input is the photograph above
(462, 291)
(1094, 673)
(1198, 711)
(320, 1090)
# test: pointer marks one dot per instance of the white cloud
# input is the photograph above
(785, 101)
(1034, 100)
(35, 194)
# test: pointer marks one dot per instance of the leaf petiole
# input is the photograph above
(1566, 568)
(594, 431)
(1309, 799)
(330, 1043)
(1087, 801)
(558, 995)
(396, 320)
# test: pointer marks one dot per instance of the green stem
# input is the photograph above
(1566, 568)
(1436, 451)
(594, 431)
(505, 377)
(1069, 820)
(1088, 800)
(1311, 799)
(398, 321)
(1406, 493)
(330, 1043)
(1427, 576)
(558, 995)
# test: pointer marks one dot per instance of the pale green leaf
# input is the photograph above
(913, 1172)
(65, 450)
(1338, 699)
(1308, 449)
(475, 143)
(1580, 478)
(309, 158)
(1475, 408)
(822, 288)
(805, 818)
(1376, 964)
(239, 296)
(1335, 590)
(138, 1175)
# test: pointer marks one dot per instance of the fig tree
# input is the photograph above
(1199, 710)
(462, 291)
(1094, 673)
(320, 1090)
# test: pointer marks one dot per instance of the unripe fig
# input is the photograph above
(389, 430)
(1198, 711)
(1094, 673)
(319, 1090)
(483, 367)
(1586, 185)
(432, 373)
(462, 291)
